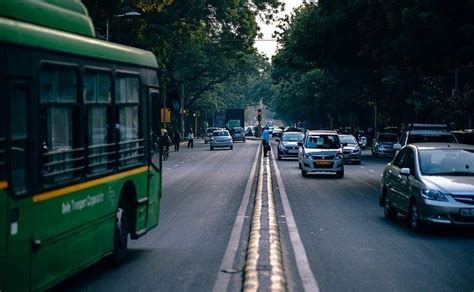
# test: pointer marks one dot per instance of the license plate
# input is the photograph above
(467, 212)
(293, 151)
(323, 162)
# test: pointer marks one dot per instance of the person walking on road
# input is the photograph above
(265, 141)
(190, 139)
(176, 140)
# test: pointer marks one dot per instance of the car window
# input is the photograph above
(388, 138)
(323, 142)
(292, 137)
(349, 139)
(400, 158)
(220, 133)
(419, 138)
(446, 162)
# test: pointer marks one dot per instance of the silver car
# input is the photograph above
(350, 149)
(288, 144)
(430, 183)
(221, 138)
(321, 152)
(208, 136)
(383, 144)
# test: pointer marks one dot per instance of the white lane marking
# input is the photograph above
(302, 263)
(362, 167)
(371, 170)
(182, 162)
(175, 165)
(381, 175)
(188, 159)
(223, 279)
(168, 169)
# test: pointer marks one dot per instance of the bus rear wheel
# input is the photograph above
(122, 223)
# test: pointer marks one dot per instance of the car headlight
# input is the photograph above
(434, 195)
(308, 156)
(281, 146)
(339, 156)
(357, 149)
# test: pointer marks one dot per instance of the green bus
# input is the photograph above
(80, 163)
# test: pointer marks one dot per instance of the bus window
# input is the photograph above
(98, 98)
(58, 95)
(127, 99)
(18, 137)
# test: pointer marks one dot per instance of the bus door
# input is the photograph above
(154, 177)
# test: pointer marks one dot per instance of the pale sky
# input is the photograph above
(266, 47)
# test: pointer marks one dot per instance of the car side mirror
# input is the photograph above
(300, 143)
(277, 139)
(405, 171)
(344, 144)
(397, 146)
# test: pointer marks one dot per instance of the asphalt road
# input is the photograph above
(348, 243)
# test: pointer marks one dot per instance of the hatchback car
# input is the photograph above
(288, 144)
(383, 143)
(430, 183)
(321, 152)
(221, 138)
(238, 134)
(350, 149)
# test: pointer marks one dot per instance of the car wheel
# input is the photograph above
(244, 140)
(414, 217)
(212, 148)
(340, 174)
(205, 141)
(389, 212)
(304, 173)
(299, 165)
(231, 147)
(278, 156)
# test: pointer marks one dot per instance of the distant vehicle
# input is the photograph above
(238, 134)
(209, 131)
(270, 130)
(382, 145)
(250, 131)
(293, 129)
(288, 144)
(430, 183)
(321, 151)
(221, 138)
(350, 149)
(422, 133)
(277, 132)
(363, 142)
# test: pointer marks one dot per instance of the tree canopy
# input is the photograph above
(341, 59)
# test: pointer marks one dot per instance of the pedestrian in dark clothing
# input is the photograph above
(190, 139)
(176, 140)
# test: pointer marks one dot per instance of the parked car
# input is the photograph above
(350, 149)
(221, 138)
(382, 145)
(430, 183)
(321, 151)
(288, 144)
(238, 134)
(250, 131)
(422, 133)
(464, 136)
(363, 142)
(209, 131)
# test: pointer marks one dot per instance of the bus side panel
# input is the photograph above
(3, 238)
(77, 231)
(141, 186)
(154, 198)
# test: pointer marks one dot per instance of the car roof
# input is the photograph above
(310, 132)
(348, 135)
(430, 132)
(441, 146)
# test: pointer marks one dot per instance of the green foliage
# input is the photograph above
(339, 59)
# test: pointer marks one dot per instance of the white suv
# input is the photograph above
(421, 133)
(321, 151)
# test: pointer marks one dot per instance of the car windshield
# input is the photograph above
(287, 137)
(447, 162)
(209, 131)
(388, 138)
(349, 139)
(323, 142)
(419, 138)
(220, 133)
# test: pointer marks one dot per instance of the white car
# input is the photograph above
(321, 152)
(221, 138)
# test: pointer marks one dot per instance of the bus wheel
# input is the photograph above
(122, 223)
